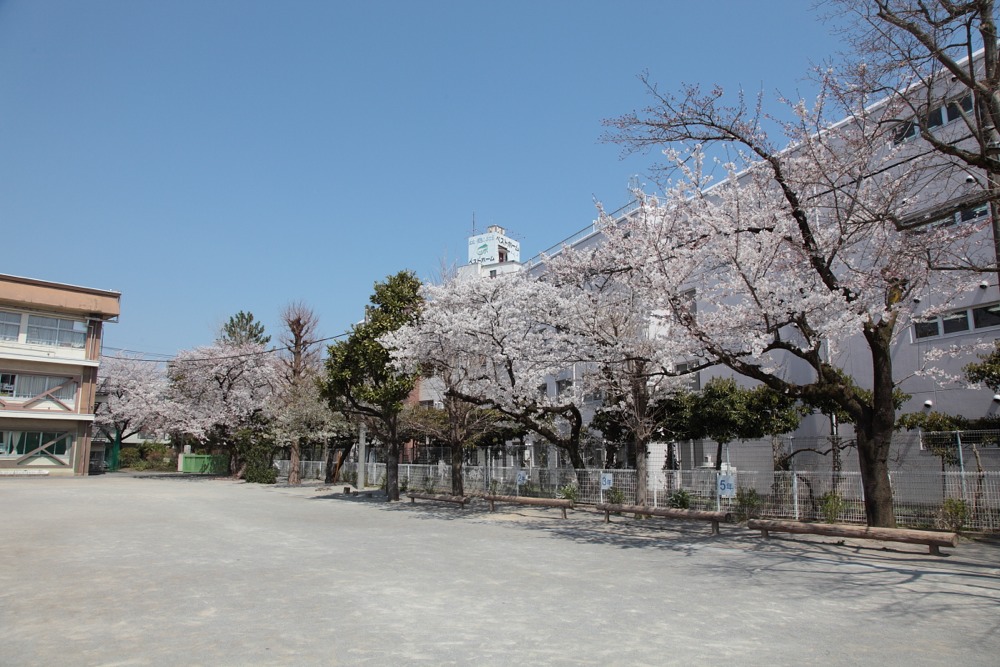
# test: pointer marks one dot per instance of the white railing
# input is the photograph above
(922, 499)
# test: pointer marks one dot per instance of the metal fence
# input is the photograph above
(922, 499)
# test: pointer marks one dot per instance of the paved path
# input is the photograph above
(114, 570)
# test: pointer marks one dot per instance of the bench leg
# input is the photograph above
(413, 501)
(564, 511)
(715, 527)
(934, 549)
(491, 505)
(607, 516)
(763, 533)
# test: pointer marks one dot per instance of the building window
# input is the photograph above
(692, 379)
(688, 301)
(10, 326)
(936, 117)
(981, 317)
(986, 316)
(926, 329)
(970, 214)
(955, 322)
(19, 443)
(56, 331)
(19, 385)
(974, 213)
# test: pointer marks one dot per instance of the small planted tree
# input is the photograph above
(361, 380)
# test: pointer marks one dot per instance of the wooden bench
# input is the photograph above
(668, 513)
(934, 540)
(442, 497)
(561, 503)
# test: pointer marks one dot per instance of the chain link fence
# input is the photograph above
(969, 500)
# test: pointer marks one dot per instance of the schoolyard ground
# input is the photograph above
(171, 570)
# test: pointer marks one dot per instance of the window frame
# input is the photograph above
(987, 320)
(60, 444)
(77, 339)
(17, 381)
(941, 115)
(4, 326)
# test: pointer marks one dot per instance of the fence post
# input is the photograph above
(795, 491)
(718, 496)
(362, 457)
(961, 463)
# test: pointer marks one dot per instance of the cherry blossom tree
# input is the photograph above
(502, 340)
(224, 391)
(937, 62)
(459, 423)
(633, 364)
(793, 252)
(456, 423)
(135, 400)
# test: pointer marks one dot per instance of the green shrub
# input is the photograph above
(260, 465)
(128, 457)
(616, 496)
(349, 476)
(569, 491)
(404, 484)
(954, 514)
(747, 503)
(679, 499)
(831, 505)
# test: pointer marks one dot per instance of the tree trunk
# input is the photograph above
(294, 462)
(874, 432)
(641, 474)
(328, 467)
(457, 458)
(575, 458)
(873, 455)
(392, 469)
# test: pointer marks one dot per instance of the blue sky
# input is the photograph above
(206, 157)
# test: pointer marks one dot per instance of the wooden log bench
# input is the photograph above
(668, 513)
(442, 497)
(561, 503)
(933, 539)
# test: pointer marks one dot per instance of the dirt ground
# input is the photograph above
(170, 570)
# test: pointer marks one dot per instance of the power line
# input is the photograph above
(164, 358)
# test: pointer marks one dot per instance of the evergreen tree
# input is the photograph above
(241, 329)
(361, 381)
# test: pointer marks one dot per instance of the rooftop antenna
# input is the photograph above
(473, 223)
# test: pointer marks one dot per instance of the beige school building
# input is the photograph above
(50, 347)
